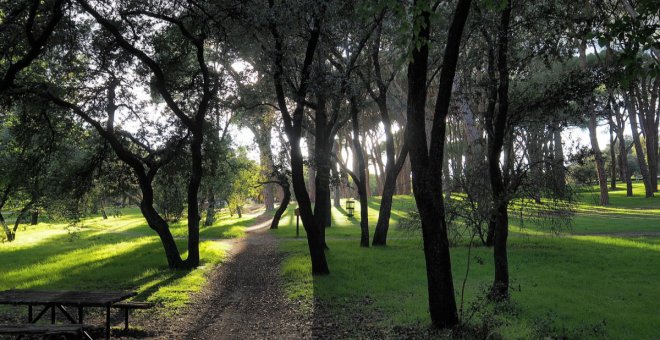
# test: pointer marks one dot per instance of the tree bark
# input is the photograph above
(8, 233)
(600, 163)
(558, 164)
(612, 156)
(311, 169)
(286, 198)
(385, 209)
(639, 149)
(361, 170)
(497, 132)
(322, 167)
(210, 211)
(266, 160)
(427, 161)
(646, 95)
(293, 129)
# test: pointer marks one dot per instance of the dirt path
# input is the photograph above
(244, 299)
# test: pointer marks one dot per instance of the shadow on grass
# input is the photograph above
(581, 280)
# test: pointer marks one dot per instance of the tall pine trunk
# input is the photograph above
(592, 125)
(639, 149)
(600, 162)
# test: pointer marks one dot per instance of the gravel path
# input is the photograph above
(244, 299)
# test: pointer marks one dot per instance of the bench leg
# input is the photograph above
(126, 319)
(52, 315)
(80, 315)
(43, 311)
(29, 313)
(107, 322)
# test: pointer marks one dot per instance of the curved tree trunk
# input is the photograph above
(385, 209)
(8, 233)
(286, 198)
(158, 224)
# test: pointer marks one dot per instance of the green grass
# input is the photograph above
(571, 282)
(120, 253)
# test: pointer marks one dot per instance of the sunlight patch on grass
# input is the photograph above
(107, 256)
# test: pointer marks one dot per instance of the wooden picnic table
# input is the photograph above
(52, 300)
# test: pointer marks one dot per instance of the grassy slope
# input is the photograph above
(117, 253)
(574, 281)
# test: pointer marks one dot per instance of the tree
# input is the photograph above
(26, 29)
(245, 181)
(293, 125)
(121, 54)
(393, 164)
(426, 160)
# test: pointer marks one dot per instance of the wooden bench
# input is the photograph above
(128, 305)
(76, 331)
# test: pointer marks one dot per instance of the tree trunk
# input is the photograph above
(600, 163)
(427, 161)
(385, 209)
(8, 233)
(361, 171)
(158, 224)
(612, 158)
(639, 150)
(619, 126)
(497, 124)
(239, 212)
(337, 186)
(311, 169)
(535, 140)
(102, 206)
(558, 168)
(322, 165)
(194, 182)
(284, 184)
(646, 95)
(210, 211)
(34, 217)
(266, 160)
(293, 128)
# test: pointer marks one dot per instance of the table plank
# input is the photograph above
(63, 298)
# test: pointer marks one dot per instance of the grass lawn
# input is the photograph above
(120, 253)
(564, 285)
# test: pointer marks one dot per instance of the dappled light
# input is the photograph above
(329, 169)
